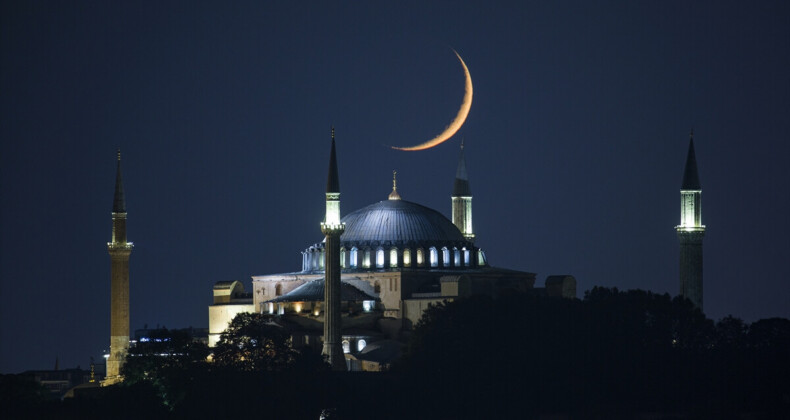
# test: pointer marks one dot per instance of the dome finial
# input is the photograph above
(394, 194)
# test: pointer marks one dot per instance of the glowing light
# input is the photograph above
(346, 346)
(368, 305)
(361, 345)
(406, 257)
(298, 307)
(459, 120)
(393, 257)
(380, 258)
(366, 259)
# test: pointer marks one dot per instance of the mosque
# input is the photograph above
(396, 258)
(384, 264)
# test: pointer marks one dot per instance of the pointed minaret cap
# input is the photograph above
(461, 186)
(394, 194)
(690, 175)
(332, 181)
(119, 204)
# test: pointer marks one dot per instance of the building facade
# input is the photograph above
(394, 258)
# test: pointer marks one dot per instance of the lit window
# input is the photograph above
(354, 252)
(434, 257)
(343, 257)
(467, 256)
(406, 257)
(445, 257)
(321, 260)
(456, 257)
(280, 309)
(481, 257)
(271, 308)
(366, 260)
(361, 345)
(346, 346)
(393, 257)
(380, 258)
(420, 257)
(368, 305)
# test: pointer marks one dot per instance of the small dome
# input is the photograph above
(396, 223)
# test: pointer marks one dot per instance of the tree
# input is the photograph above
(253, 343)
(162, 351)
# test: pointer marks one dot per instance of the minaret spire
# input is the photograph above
(332, 228)
(462, 199)
(119, 249)
(691, 231)
(119, 203)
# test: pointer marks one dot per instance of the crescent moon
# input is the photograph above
(456, 124)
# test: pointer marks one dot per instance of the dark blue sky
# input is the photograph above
(576, 142)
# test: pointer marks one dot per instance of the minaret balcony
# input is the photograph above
(120, 246)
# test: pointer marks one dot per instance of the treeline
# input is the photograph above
(610, 354)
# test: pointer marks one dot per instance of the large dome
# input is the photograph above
(397, 223)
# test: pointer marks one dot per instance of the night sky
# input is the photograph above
(575, 145)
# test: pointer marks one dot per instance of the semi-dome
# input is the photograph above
(397, 223)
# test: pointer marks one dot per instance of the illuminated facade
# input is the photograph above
(393, 259)
(119, 249)
(691, 231)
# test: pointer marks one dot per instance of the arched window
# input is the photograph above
(366, 259)
(481, 257)
(394, 257)
(321, 259)
(271, 308)
(420, 257)
(377, 287)
(456, 257)
(342, 257)
(346, 346)
(379, 258)
(467, 257)
(445, 257)
(361, 345)
(354, 252)
(406, 257)
(434, 257)
(278, 289)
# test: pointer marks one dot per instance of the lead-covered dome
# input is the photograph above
(397, 234)
(398, 223)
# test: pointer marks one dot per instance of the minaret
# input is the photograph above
(332, 228)
(462, 199)
(691, 230)
(119, 250)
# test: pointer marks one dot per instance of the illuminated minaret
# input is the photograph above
(691, 231)
(119, 250)
(462, 199)
(332, 228)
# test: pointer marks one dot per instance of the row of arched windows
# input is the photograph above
(313, 258)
